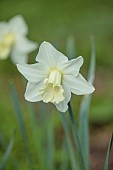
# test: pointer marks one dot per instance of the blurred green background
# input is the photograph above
(56, 21)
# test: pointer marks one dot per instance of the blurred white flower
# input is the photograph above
(13, 40)
(54, 77)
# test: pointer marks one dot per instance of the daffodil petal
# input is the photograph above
(72, 66)
(18, 25)
(3, 25)
(49, 55)
(34, 73)
(62, 106)
(24, 45)
(17, 57)
(3, 29)
(67, 91)
(32, 93)
(78, 84)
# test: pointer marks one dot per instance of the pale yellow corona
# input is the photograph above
(53, 90)
(4, 50)
(9, 39)
(6, 44)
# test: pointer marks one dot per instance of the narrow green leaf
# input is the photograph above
(71, 53)
(84, 130)
(64, 158)
(84, 111)
(43, 130)
(7, 154)
(92, 67)
(108, 153)
(37, 129)
(70, 47)
(47, 123)
(20, 120)
(50, 144)
(73, 160)
(76, 138)
(12, 158)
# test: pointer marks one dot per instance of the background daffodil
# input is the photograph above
(13, 40)
(53, 78)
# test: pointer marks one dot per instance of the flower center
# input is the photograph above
(9, 39)
(53, 90)
(6, 44)
(4, 50)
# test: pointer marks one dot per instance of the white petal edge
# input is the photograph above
(32, 93)
(72, 66)
(18, 25)
(67, 91)
(49, 55)
(26, 46)
(3, 28)
(34, 73)
(78, 84)
(62, 106)
(17, 57)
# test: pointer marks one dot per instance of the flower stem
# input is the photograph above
(73, 160)
(76, 138)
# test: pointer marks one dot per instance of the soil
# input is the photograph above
(100, 136)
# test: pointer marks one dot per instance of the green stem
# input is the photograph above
(76, 138)
(74, 163)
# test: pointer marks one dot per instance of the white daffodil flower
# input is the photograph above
(13, 40)
(54, 77)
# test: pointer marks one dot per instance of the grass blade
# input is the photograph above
(92, 67)
(37, 136)
(73, 160)
(70, 47)
(84, 110)
(3, 143)
(48, 127)
(20, 120)
(7, 154)
(64, 158)
(84, 130)
(45, 153)
(76, 137)
(108, 153)
(50, 144)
